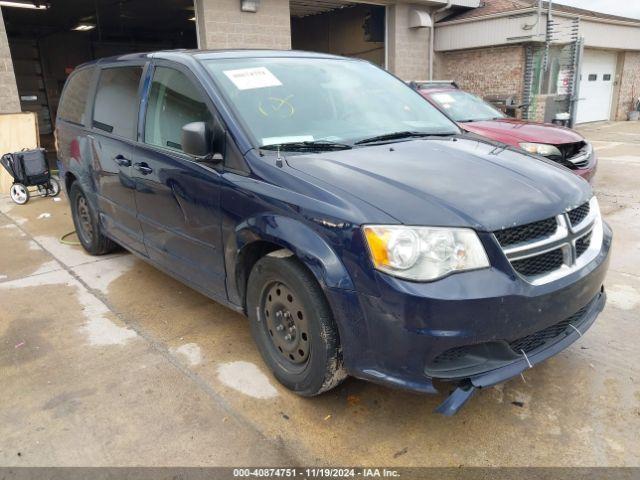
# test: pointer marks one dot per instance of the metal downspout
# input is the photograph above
(433, 35)
(575, 94)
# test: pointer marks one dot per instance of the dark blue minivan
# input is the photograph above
(358, 228)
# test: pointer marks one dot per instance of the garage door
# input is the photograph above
(596, 86)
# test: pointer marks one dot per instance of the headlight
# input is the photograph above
(424, 253)
(541, 149)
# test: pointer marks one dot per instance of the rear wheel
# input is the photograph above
(19, 193)
(87, 225)
(54, 188)
(293, 326)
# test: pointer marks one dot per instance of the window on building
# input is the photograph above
(74, 99)
(173, 102)
(116, 105)
(592, 77)
(606, 77)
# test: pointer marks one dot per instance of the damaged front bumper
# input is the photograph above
(467, 387)
(470, 330)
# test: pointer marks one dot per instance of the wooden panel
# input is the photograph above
(17, 131)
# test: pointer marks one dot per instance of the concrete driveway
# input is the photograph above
(107, 361)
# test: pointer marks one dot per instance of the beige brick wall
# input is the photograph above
(221, 25)
(9, 100)
(484, 71)
(408, 48)
(629, 80)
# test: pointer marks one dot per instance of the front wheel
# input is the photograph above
(19, 193)
(293, 326)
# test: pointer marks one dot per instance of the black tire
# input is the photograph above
(313, 363)
(85, 219)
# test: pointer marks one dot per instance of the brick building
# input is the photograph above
(502, 48)
(564, 60)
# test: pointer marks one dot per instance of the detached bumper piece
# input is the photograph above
(571, 331)
(456, 400)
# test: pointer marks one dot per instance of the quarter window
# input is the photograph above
(173, 102)
(74, 100)
(116, 106)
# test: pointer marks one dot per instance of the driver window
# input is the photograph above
(173, 102)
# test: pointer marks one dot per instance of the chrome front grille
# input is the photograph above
(582, 244)
(526, 233)
(544, 251)
(539, 264)
(578, 214)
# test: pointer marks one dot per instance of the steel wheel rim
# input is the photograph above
(84, 218)
(19, 193)
(285, 325)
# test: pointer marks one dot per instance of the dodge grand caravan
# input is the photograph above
(358, 228)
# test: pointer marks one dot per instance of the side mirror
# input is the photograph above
(197, 139)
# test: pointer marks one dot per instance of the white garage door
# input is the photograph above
(596, 86)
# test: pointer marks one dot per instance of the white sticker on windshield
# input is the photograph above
(289, 139)
(443, 98)
(250, 78)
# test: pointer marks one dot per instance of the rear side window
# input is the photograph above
(173, 102)
(116, 106)
(74, 100)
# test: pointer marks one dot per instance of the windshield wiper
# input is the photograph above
(400, 136)
(312, 145)
(471, 120)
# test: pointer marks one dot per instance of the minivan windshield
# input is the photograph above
(303, 101)
(465, 107)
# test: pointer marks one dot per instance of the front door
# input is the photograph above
(114, 129)
(178, 198)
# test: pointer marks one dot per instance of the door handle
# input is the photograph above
(122, 161)
(143, 168)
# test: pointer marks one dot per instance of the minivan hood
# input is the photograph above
(449, 182)
(520, 131)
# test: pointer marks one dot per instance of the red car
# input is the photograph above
(472, 114)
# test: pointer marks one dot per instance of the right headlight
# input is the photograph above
(424, 253)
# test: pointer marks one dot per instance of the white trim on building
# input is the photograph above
(522, 26)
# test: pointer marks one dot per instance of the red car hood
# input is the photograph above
(512, 132)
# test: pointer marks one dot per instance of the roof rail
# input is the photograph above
(426, 84)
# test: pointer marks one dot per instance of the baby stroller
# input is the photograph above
(29, 169)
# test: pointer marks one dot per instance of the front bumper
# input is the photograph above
(466, 389)
(410, 325)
